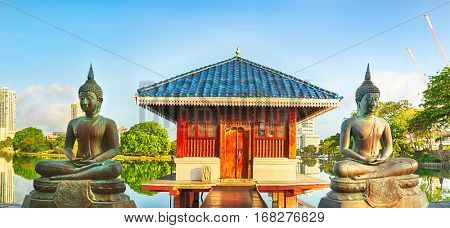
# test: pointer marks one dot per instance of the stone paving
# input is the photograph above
(441, 204)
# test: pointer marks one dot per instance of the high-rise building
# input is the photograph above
(306, 135)
(75, 111)
(7, 113)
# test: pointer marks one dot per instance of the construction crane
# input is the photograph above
(427, 18)
(419, 71)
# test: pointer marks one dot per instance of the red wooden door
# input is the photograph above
(236, 155)
(229, 162)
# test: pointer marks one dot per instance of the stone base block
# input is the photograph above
(392, 192)
(78, 194)
(274, 169)
(191, 168)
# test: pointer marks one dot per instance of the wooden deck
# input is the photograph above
(302, 183)
(171, 185)
(234, 197)
(235, 193)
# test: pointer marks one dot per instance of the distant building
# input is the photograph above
(7, 113)
(75, 111)
(443, 141)
(306, 135)
(55, 134)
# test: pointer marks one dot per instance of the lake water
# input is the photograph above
(17, 173)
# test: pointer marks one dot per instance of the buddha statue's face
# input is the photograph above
(89, 103)
(368, 104)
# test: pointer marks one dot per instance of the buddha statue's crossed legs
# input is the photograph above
(359, 171)
(68, 170)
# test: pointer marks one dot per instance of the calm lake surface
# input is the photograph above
(17, 173)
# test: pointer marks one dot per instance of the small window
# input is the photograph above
(212, 129)
(270, 129)
(281, 130)
(191, 129)
(261, 126)
(201, 129)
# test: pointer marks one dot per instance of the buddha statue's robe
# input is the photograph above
(97, 139)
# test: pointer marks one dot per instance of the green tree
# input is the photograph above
(173, 148)
(58, 143)
(30, 140)
(330, 146)
(435, 115)
(308, 151)
(6, 143)
(148, 138)
(398, 114)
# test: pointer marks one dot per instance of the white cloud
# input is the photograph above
(47, 108)
(396, 86)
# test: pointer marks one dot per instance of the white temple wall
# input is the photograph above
(274, 169)
(190, 168)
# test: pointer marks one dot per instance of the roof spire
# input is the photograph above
(238, 51)
(367, 77)
(91, 73)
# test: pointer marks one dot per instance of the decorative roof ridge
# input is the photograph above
(289, 77)
(185, 74)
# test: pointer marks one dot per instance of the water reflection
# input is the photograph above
(134, 174)
(6, 181)
(435, 183)
(24, 166)
(17, 172)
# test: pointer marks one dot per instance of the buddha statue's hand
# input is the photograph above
(84, 162)
(378, 160)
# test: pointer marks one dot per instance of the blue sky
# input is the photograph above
(46, 66)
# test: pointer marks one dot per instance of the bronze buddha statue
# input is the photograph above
(372, 141)
(369, 177)
(97, 142)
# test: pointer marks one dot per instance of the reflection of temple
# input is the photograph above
(6, 182)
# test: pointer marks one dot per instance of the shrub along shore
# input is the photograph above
(120, 157)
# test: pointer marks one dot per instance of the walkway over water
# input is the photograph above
(234, 197)
(234, 192)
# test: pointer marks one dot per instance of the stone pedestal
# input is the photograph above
(78, 194)
(391, 192)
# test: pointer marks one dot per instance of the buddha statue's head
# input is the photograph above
(367, 96)
(90, 95)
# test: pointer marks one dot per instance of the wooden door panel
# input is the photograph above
(230, 154)
(239, 153)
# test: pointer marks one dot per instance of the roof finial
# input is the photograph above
(367, 77)
(91, 73)
(238, 51)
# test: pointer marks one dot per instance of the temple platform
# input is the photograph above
(284, 193)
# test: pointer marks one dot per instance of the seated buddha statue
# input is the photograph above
(372, 141)
(97, 139)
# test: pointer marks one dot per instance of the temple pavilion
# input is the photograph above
(236, 117)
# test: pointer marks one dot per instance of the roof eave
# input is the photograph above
(238, 101)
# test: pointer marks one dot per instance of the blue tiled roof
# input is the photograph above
(236, 77)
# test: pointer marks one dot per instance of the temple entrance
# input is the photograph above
(235, 160)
